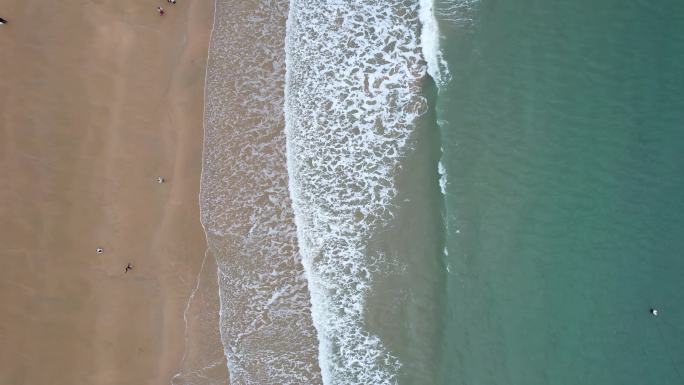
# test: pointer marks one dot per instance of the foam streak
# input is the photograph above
(353, 85)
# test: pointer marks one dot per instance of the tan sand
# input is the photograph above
(97, 99)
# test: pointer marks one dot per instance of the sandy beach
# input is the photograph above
(97, 100)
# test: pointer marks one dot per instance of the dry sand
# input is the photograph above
(97, 99)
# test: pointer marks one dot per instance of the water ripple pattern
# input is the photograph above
(354, 74)
(265, 319)
(457, 12)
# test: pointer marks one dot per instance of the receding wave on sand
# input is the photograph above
(265, 319)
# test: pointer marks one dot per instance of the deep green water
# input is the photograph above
(563, 137)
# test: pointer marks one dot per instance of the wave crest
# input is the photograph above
(353, 84)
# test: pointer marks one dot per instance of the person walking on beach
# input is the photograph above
(171, 1)
(129, 267)
(161, 11)
(2, 21)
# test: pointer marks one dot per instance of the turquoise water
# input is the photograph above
(533, 258)
(563, 138)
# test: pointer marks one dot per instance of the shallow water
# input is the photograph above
(265, 318)
(203, 361)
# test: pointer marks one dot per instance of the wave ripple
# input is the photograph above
(265, 319)
(353, 94)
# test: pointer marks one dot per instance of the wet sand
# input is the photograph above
(97, 99)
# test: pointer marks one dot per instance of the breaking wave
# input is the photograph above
(355, 72)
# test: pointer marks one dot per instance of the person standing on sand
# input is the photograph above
(129, 267)
(2, 21)
(161, 11)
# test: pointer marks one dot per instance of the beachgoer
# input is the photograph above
(99, 250)
(161, 11)
(171, 1)
(161, 180)
(129, 267)
(2, 21)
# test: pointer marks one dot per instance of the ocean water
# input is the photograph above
(563, 135)
(362, 160)
(446, 192)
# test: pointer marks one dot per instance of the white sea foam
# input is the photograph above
(442, 177)
(354, 72)
(265, 319)
(429, 37)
